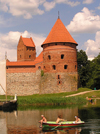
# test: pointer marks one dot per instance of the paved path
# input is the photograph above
(80, 93)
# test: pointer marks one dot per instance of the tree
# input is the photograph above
(83, 68)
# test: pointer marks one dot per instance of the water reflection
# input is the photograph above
(74, 130)
(26, 122)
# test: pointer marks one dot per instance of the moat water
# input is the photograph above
(25, 121)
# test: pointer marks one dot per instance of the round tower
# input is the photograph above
(59, 60)
(59, 50)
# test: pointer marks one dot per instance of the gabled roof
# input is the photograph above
(28, 42)
(59, 33)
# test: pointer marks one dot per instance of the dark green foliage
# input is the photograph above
(89, 71)
(42, 72)
(83, 68)
(94, 81)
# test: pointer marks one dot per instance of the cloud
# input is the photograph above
(28, 8)
(93, 46)
(84, 22)
(88, 1)
(98, 7)
(50, 5)
(25, 8)
(9, 42)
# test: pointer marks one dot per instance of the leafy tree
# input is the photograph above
(94, 81)
(83, 68)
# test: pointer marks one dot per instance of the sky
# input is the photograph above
(35, 18)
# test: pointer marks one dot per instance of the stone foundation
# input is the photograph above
(58, 82)
(23, 83)
(33, 83)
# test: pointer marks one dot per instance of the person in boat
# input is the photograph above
(59, 119)
(78, 120)
(42, 120)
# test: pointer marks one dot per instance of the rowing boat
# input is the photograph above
(65, 124)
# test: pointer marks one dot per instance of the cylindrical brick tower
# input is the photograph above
(60, 58)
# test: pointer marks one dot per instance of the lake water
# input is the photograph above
(26, 121)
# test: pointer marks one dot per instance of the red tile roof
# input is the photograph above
(20, 63)
(59, 33)
(39, 58)
(28, 42)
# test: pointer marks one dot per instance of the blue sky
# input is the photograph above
(35, 18)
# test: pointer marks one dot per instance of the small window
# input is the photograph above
(6, 67)
(55, 43)
(59, 82)
(65, 66)
(63, 43)
(62, 56)
(54, 67)
(75, 66)
(29, 56)
(20, 56)
(44, 66)
(58, 76)
(39, 67)
(49, 57)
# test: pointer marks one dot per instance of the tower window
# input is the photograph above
(65, 66)
(49, 57)
(54, 67)
(62, 56)
(58, 76)
(39, 67)
(29, 56)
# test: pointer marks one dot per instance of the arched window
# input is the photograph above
(39, 67)
(62, 56)
(65, 66)
(58, 76)
(54, 67)
(29, 56)
(49, 57)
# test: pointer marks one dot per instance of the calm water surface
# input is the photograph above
(26, 121)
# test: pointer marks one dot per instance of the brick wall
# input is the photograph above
(25, 53)
(60, 58)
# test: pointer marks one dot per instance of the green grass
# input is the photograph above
(55, 99)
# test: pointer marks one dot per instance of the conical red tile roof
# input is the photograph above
(59, 33)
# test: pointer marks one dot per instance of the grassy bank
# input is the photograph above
(55, 99)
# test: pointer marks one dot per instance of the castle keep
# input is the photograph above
(58, 60)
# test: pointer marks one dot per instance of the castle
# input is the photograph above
(58, 61)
